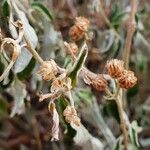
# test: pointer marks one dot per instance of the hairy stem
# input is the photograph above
(108, 23)
(130, 32)
(33, 51)
(122, 120)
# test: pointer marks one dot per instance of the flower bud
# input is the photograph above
(127, 79)
(115, 67)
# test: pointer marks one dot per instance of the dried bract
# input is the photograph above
(127, 79)
(115, 67)
(48, 70)
(71, 115)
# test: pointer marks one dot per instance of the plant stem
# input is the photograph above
(33, 51)
(130, 32)
(122, 120)
(108, 23)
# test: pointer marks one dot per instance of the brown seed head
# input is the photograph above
(71, 115)
(78, 31)
(48, 70)
(127, 79)
(82, 23)
(115, 67)
(99, 83)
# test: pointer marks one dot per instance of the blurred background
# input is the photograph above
(25, 124)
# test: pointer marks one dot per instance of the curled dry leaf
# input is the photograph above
(55, 122)
(71, 115)
(16, 52)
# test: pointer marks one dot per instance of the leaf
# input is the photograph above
(118, 145)
(84, 139)
(78, 64)
(3, 107)
(25, 56)
(41, 8)
(18, 91)
(6, 8)
(134, 129)
(27, 70)
(110, 109)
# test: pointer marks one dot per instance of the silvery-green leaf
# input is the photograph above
(25, 56)
(18, 91)
(84, 139)
(134, 129)
(22, 60)
(41, 8)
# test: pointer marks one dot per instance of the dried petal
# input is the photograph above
(127, 79)
(71, 115)
(48, 70)
(115, 67)
(55, 122)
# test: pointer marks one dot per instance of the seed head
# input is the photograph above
(71, 115)
(82, 23)
(115, 67)
(79, 29)
(48, 70)
(99, 83)
(127, 79)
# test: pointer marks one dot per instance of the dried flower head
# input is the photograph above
(61, 83)
(99, 83)
(48, 70)
(71, 48)
(115, 67)
(78, 31)
(127, 79)
(96, 80)
(82, 23)
(71, 115)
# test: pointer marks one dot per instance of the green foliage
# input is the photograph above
(27, 70)
(6, 8)
(42, 9)
(77, 66)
